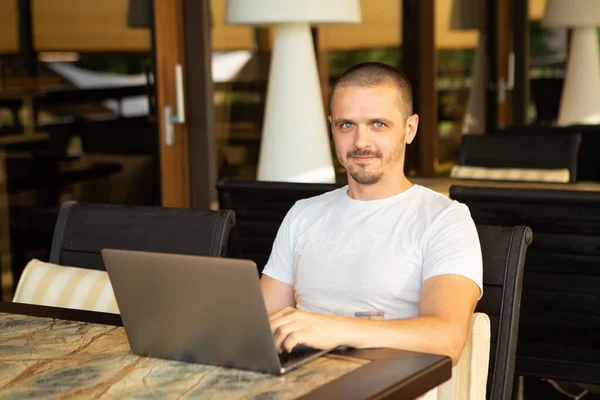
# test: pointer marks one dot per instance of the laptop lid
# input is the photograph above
(191, 308)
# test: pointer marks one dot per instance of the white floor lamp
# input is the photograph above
(295, 138)
(468, 15)
(580, 101)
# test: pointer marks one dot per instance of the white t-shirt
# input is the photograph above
(370, 258)
(357, 258)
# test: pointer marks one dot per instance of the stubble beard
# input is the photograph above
(360, 174)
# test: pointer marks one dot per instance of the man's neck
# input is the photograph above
(383, 189)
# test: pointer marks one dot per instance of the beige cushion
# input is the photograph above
(67, 287)
(469, 376)
(511, 174)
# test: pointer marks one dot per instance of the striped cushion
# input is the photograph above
(68, 287)
(511, 174)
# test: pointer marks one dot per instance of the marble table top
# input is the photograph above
(48, 358)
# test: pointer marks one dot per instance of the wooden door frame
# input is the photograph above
(419, 62)
(174, 160)
(188, 168)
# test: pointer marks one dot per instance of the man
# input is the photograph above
(381, 262)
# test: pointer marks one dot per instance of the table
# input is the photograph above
(441, 184)
(49, 352)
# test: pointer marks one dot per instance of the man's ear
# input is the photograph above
(329, 119)
(412, 124)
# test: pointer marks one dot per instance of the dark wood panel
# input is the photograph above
(200, 103)
(419, 62)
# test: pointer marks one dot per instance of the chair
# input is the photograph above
(546, 94)
(66, 287)
(503, 249)
(261, 206)
(588, 168)
(131, 142)
(259, 209)
(83, 230)
(559, 329)
(518, 158)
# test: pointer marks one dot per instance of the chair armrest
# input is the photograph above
(469, 376)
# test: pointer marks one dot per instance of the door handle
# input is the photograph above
(509, 84)
(178, 117)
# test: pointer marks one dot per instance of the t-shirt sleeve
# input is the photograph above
(453, 246)
(281, 261)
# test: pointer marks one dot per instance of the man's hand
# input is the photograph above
(291, 326)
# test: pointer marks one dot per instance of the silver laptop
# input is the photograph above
(197, 309)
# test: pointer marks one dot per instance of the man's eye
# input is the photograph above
(346, 125)
(379, 124)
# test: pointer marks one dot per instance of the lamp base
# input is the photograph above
(475, 115)
(580, 101)
(295, 143)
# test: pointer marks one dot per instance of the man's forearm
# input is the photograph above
(427, 334)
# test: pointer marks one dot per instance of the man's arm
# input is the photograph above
(277, 294)
(445, 310)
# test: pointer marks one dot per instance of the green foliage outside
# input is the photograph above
(118, 63)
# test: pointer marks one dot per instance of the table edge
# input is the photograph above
(385, 364)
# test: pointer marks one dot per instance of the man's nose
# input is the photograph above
(363, 138)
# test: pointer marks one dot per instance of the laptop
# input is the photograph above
(197, 309)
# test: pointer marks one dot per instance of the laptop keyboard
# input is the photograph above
(298, 353)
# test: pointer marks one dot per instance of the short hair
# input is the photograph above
(371, 74)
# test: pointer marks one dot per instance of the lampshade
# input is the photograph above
(467, 15)
(580, 100)
(570, 13)
(268, 12)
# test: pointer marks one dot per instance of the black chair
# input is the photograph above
(503, 250)
(546, 94)
(261, 206)
(522, 152)
(588, 168)
(560, 312)
(83, 230)
(259, 209)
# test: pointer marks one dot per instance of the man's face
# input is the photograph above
(370, 131)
